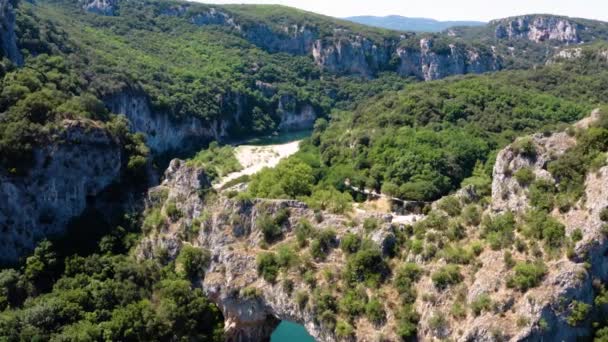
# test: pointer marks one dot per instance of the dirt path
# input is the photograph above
(255, 158)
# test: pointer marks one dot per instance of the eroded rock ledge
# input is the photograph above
(252, 306)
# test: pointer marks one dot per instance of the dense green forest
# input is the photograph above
(411, 140)
(422, 142)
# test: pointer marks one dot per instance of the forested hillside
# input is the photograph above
(96, 96)
(422, 142)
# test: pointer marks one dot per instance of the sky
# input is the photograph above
(481, 10)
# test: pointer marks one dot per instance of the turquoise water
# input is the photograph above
(290, 332)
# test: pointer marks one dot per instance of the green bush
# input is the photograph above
(350, 243)
(527, 275)
(193, 260)
(153, 220)
(525, 146)
(269, 227)
(374, 310)
(542, 194)
(322, 244)
(268, 266)
(578, 313)
(353, 302)
(542, 226)
(483, 302)
(407, 323)
(367, 266)
(471, 215)
(451, 205)
(525, 176)
(446, 275)
(172, 211)
(370, 224)
(304, 231)
(499, 230)
(344, 331)
(407, 275)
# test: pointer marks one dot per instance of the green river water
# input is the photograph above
(290, 332)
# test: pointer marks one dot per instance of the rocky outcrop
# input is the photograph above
(538, 29)
(82, 162)
(8, 39)
(351, 55)
(164, 132)
(102, 7)
(229, 230)
(347, 52)
(429, 65)
(253, 306)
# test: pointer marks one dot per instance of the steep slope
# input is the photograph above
(400, 23)
(531, 39)
(475, 285)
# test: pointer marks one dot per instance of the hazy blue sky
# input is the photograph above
(483, 10)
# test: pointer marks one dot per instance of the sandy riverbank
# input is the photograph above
(255, 158)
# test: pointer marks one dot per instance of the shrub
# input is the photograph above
(370, 224)
(577, 235)
(268, 266)
(374, 310)
(287, 285)
(367, 265)
(304, 231)
(437, 322)
(457, 255)
(406, 275)
(344, 330)
(350, 243)
(527, 275)
(270, 229)
(301, 299)
(353, 303)
(172, 211)
(251, 293)
(286, 256)
(407, 324)
(604, 214)
(471, 215)
(193, 260)
(578, 313)
(525, 146)
(322, 245)
(153, 220)
(542, 194)
(541, 225)
(525, 176)
(451, 205)
(446, 276)
(483, 302)
(498, 230)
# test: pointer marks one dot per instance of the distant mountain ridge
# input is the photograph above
(400, 23)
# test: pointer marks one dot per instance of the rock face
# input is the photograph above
(8, 39)
(230, 232)
(83, 162)
(102, 7)
(429, 65)
(253, 307)
(539, 29)
(346, 52)
(165, 133)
